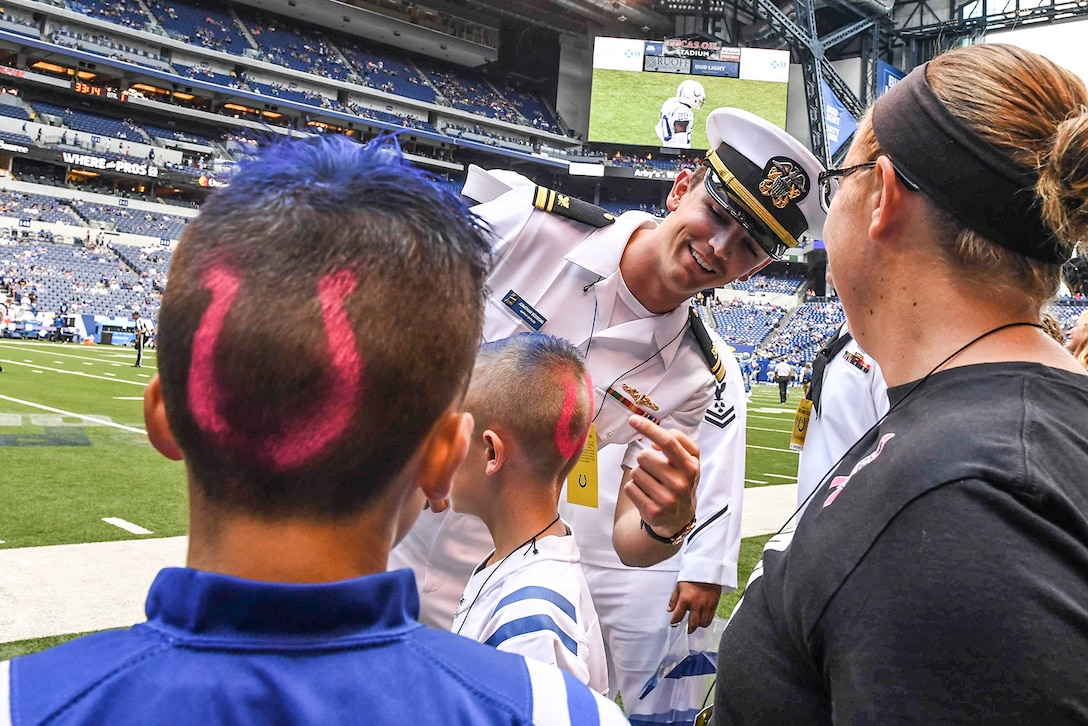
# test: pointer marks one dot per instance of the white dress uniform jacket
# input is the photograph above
(636, 628)
(854, 397)
(568, 272)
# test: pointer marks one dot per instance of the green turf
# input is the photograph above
(33, 645)
(751, 550)
(57, 494)
(625, 105)
(769, 459)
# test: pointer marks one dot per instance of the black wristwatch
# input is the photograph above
(671, 541)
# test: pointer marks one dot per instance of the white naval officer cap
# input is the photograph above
(764, 178)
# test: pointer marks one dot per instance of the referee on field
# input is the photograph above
(144, 332)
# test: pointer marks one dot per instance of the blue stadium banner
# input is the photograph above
(725, 69)
(837, 120)
(887, 76)
(653, 47)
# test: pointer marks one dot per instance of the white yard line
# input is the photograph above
(769, 448)
(97, 359)
(782, 476)
(78, 373)
(768, 418)
(126, 525)
(99, 421)
(128, 398)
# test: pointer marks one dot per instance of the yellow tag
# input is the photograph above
(800, 425)
(582, 481)
(703, 717)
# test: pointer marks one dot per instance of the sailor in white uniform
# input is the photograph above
(619, 290)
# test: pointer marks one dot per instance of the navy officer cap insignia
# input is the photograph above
(784, 182)
(762, 177)
(570, 207)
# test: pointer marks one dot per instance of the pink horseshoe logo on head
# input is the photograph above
(308, 436)
(566, 443)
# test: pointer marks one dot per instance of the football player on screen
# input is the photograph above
(677, 115)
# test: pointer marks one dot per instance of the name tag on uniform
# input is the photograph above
(524, 310)
(582, 480)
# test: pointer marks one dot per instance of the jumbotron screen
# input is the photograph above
(646, 93)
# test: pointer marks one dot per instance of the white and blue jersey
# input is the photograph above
(675, 123)
(536, 603)
(223, 650)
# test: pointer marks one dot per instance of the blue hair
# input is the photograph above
(336, 171)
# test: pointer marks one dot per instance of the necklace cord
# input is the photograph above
(926, 377)
(533, 549)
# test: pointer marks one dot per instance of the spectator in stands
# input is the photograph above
(940, 575)
(529, 596)
(297, 491)
(1077, 344)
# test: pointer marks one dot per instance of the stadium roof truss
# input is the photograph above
(869, 24)
(926, 28)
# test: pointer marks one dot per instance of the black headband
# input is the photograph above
(963, 174)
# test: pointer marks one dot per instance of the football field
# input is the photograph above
(76, 468)
(625, 106)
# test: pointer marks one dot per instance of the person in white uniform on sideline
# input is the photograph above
(531, 400)
(618, 288)
(848, 395)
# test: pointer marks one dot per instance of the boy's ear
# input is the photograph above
(495, 449)
(158, 429)
(444, 451)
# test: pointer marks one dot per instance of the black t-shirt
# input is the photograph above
(944, 581)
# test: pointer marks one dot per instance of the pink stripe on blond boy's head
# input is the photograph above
(567, 443)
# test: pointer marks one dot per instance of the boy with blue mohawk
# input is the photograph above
(314, 415)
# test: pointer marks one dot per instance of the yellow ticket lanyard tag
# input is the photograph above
(800, 424)
(582, 480)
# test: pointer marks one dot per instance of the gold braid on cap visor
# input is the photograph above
(749, 201)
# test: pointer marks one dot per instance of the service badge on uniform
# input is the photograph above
(640, 399)
(857, 360)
